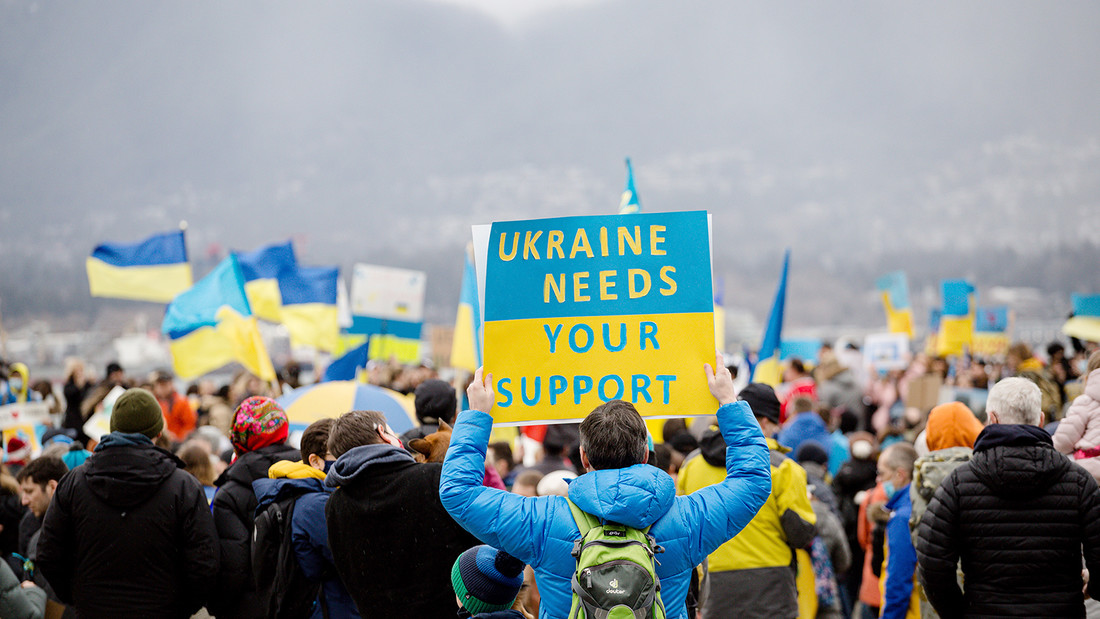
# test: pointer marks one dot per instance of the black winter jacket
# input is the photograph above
(234, 508)
(129, 534)
(1018, 515)
(392, 542)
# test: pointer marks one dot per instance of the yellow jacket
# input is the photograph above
(786, 520)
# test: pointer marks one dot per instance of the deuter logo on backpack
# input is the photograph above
(616, 574)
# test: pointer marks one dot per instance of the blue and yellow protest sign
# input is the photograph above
(579, 311)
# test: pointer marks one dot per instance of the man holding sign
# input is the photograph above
(618, 487)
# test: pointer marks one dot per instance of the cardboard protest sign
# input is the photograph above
(24, 414)
(20, 420)
(388, 305)
(582, 310)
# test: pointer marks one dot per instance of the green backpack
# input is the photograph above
(616, 575)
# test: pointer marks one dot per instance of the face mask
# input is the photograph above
(1082, 366)
(16, 385)
(890, 490)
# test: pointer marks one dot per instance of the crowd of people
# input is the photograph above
(841, 492)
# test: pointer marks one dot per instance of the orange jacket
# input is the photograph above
(179, 418)
(869, 592)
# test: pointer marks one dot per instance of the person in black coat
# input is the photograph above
(129, 533)
(259, 434)
(392, 542)
(1018, 515)
(435, 400)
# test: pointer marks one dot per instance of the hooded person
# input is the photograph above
(130, 490)
(1019, 515)
(305, 480)
(1078, 435)
(486, 582)
(259, 433)
(618, 486)
(950, 434)
(392, 542)
(435, 400)
(750, 575)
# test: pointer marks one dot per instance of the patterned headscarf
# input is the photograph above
(258, 422)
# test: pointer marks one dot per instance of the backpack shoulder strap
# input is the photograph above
(585, 521)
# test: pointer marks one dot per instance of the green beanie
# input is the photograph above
(137, 412)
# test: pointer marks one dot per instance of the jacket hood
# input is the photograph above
(126, 470)
(1092, 385)
(269, 490)
(353, 463)
(294, 470)
(254, 465)
(636, 496)
(1017, 460)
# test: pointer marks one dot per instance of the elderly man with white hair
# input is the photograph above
(1018, 515)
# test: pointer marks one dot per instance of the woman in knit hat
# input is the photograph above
(487, 583)
(259, 432)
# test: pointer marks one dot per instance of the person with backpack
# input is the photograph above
(259, 434)
(487, 583)
(293, 563)
(618, 498)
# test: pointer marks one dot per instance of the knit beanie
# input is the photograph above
(486, 579)
(951, 425)
(17, 452)
(258, 422)
(137, 412)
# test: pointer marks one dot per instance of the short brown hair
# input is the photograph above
(43, 469)
(614, 436)
(354, 429)
(315, 439)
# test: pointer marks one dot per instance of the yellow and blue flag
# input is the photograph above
(211, 324)
(466, 344)
(309, 309)
(629, 203)
(767, 369)
(1085, 322)
(263, 270)
(894, 289)
(155, 269)
(956, 329)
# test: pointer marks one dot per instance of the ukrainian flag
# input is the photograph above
(629, 202)
(1085, 323)
(895, 299)
(263, 270)
(155, 269)
(347, 367)
(309, 309)
(211, 325)
(767, 369)
(957, 318)
(466, 344)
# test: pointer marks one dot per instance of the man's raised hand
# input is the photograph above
(481, 392)
(720, 382)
